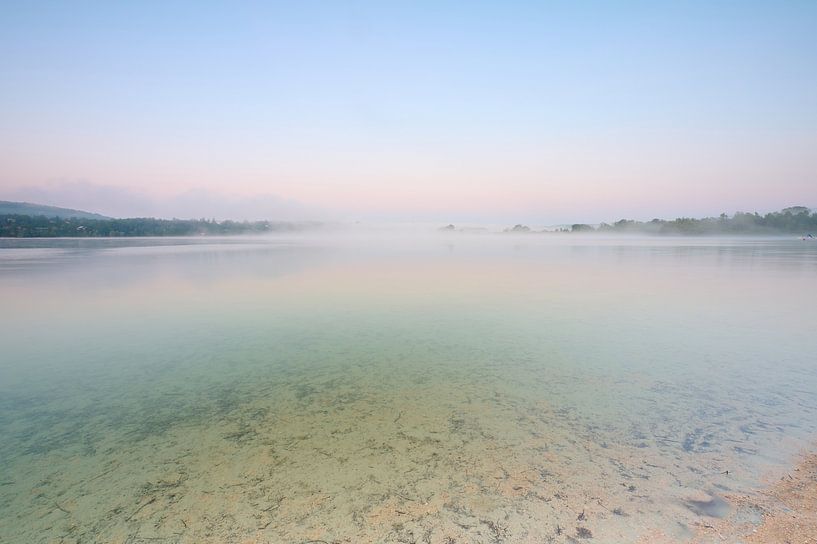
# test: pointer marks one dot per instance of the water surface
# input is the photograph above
(431, 389)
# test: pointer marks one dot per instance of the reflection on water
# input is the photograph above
(451, 389)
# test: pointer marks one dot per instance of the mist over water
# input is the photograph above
(396, 387)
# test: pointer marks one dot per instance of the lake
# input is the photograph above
(397, 388)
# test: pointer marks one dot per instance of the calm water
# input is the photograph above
(434, 390)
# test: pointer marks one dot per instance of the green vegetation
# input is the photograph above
(519, 228)
(794, 220)
(41, 226)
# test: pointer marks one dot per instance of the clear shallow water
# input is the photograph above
(437, 389)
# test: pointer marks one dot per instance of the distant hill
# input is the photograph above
(26, 208)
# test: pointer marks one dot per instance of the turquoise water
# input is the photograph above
(397, 389)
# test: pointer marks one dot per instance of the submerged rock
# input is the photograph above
(715, 507)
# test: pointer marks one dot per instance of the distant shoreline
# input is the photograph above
(794, 221)
(41, 226)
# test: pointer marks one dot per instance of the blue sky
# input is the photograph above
(545, 111)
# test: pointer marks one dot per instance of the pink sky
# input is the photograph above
(526, 113)
(554, 182)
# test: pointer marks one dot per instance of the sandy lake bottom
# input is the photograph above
(448, 389)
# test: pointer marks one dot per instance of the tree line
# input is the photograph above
(795, 220)
(40, 226)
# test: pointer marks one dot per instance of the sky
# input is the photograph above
(542, 112)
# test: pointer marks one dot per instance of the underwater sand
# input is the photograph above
(785, 511)
(434, 390)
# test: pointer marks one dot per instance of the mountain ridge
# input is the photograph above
(8, 207)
